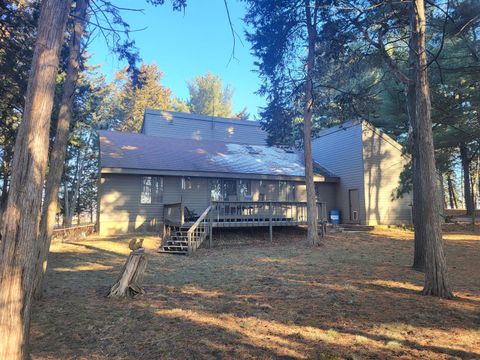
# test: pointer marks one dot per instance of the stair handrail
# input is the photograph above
(192, 231)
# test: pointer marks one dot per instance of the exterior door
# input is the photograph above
(354, 204)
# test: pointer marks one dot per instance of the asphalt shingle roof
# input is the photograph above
(138, 151)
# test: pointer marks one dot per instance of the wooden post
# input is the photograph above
(182, 214)
(164, 233)
(270, 221)
(210, 235)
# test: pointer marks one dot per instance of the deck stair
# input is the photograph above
(176, 242)
(186, 238)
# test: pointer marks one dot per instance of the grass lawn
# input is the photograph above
(355, 298)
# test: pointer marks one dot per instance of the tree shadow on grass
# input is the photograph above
(267, 302)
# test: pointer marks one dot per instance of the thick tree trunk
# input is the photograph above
(411, 96)
(467, 190)
(21, 217)
(57, 156)
(312, 216)
(129, 283)
(436, 281)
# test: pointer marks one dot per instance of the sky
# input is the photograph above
(188, 44)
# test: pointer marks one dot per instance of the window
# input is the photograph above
(229, 190)
(245, 190)
(286, 191)
(152, 190)
(216, 190)
(186, 183)
(223, 190)
(262, 193)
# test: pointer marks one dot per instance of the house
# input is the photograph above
(369, 164)
(180, 165)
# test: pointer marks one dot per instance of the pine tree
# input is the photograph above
(208, 96)
(133, 99)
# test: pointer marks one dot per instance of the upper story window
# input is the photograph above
(187, 183)
(152, 190)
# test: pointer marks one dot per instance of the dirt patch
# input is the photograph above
(355, 297)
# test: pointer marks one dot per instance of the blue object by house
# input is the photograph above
(335, 216)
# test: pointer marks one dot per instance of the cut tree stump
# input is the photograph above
(129, 283)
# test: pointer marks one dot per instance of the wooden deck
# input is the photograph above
(232, 214)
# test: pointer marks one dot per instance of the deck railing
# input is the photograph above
(278, 212)
(240, 214)
(199, 231)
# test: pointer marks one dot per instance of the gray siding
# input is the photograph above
(121, 211)
(327, 192)
(120, 208)
(340, 151)
(198, 127)
(172, 190)
(196, 195)
(383, 164)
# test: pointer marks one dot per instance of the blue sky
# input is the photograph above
(184, 45)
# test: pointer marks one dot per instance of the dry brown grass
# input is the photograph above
(356, 297)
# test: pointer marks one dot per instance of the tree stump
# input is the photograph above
(129, 283)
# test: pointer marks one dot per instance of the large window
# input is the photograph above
(152, 190)
(245, 190)
(286, 191)
(230, 190)
(216, 190)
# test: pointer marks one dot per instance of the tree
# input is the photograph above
(312, 22)
(208, 96)
(57, 156)
(17, 41)
(180, 105)
(436, 281)
(21, 217)
(135, 98)
(283, 32)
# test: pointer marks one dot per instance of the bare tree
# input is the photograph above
(57, 155)
(21, 218)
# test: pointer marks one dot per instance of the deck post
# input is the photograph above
(210, 235)
(163, 234)
(270, 221)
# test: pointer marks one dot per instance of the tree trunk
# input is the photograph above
(57, 156)
(74, 199)
(411, 100)
(21, 217)
(66, 204)
(467, 190)
(312, 216)
(451, 192)
(129, 283)
(436, 281)
(7, 156)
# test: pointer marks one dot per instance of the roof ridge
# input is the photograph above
(202, 116)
